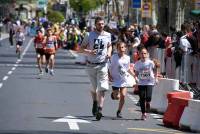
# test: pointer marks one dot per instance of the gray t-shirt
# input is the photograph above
(97, 41)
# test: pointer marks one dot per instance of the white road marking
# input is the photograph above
(13, 68)
(5, 78)
(155, 116)
(159, 120)
(72, 122)
(9, 73)
(1, 85)
(17, 63)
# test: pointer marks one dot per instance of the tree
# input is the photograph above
(55, 16)
(85, 5)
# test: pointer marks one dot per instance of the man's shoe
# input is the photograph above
(119, 114)
(98, 115)
(94, 108)
(46, 69)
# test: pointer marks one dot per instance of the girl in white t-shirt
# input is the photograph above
(119, 74)
(146, 73)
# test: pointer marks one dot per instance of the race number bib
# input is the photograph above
(145, 75)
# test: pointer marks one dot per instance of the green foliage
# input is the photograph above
(55, 16)
(85, 5)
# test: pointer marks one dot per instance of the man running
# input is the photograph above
(97, 46)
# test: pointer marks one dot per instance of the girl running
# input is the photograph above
(50, 51)
(119, 72)
(20, 38)
(147, 77)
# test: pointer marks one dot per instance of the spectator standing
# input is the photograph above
(97, 46)
(11, 34)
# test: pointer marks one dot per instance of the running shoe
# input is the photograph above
(52, 73)
(46, 69)
(41, 73)
(99, 114)
(144, 116)
(119, 114)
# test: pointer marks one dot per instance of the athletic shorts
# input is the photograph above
(48, 55)
(40, 51)
(20, 43)
(98, 75)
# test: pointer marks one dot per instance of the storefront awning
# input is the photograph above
(195, 12)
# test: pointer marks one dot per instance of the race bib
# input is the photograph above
(145, 75)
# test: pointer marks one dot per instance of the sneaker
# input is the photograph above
(99, 114)
(144, 116)
(46, 69)
(41, 73)
(119, 114)
(94, 108)
(52, 72)
(147, 107)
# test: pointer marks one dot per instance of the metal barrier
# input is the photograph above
(159, 54)
(188, 72)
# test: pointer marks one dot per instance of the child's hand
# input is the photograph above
(110, 78)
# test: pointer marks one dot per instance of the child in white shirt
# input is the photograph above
(119, 74)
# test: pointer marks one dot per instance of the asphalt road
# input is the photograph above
(61, 104)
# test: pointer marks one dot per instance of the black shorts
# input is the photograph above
(48, 55)
(20, 43)
(116, 88)
(40, 51)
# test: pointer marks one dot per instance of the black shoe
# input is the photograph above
(94, 108)
(46, 69)
(99, 114)
(119, 114)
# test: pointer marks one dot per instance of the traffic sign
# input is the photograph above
(41, 4)
(136, 3)
(146, 10)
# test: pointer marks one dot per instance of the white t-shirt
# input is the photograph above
(185, 44)
(100, 42)
(145, 72)
(119, 67)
